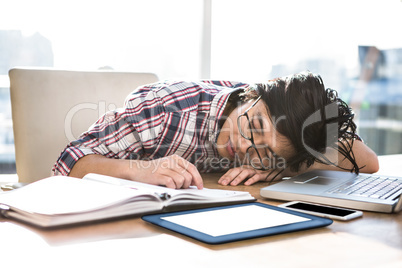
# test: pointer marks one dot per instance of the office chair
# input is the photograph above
(51, 108)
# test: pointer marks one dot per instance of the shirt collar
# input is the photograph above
(218, 105)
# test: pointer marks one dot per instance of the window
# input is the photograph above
(163, 37)
(354, 45)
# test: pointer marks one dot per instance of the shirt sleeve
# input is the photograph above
(122, 134)
(224, 83)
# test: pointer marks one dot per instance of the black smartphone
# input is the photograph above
(336, 213)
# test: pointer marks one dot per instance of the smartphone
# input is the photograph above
(335, 213)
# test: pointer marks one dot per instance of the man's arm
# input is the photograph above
(365, 158)
(173, 171)
(117, 134)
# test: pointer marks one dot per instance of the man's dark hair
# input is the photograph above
(298, 98)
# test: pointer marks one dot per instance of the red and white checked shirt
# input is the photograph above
(159, 120)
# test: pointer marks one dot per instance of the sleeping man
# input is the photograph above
(168, 133)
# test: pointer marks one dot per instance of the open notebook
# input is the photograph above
(59, 200)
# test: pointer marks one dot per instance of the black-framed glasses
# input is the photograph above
(246, 131)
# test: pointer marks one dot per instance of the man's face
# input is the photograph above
(233, 145)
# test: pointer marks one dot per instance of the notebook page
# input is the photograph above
(57, 195)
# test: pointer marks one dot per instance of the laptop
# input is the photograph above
(370, 192)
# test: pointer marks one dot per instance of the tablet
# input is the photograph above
(225, 224)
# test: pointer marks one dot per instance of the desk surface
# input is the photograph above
(375, 240)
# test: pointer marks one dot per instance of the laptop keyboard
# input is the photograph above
(379, 187)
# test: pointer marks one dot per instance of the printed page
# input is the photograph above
(177, 196)
(59, 195)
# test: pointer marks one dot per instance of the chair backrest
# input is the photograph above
(50, 108)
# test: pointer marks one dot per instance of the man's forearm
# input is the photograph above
(365, 158)
(101, 165)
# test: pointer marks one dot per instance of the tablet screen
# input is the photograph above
(234, 220)
(222, 224)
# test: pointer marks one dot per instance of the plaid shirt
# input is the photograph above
(158, 120)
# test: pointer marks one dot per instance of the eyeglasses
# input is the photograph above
(246, 131)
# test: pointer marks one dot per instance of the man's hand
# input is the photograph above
(248, 174)
(171, 171)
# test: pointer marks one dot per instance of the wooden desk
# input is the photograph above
(375, 240)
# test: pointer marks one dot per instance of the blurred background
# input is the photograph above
(355, 45)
